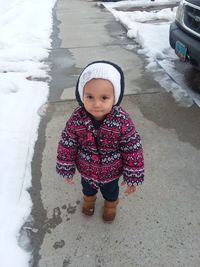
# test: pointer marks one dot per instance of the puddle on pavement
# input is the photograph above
(166, 113)
(190, 75)
(59, 244)
(192, 79)
(66, 262)
(71, 209)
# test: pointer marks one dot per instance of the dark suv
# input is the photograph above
(184, 35)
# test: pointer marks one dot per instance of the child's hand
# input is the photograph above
(130, 189)
(69, 181)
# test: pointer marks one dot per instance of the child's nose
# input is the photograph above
(96, 103)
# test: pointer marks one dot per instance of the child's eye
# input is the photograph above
(89, 97)
(104, 97)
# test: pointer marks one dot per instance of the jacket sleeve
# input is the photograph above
(67, 150)
(132, 154)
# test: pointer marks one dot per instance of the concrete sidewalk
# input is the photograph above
(157, 226)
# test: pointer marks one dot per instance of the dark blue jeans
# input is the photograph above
(109, 191)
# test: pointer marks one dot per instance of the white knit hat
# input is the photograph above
(101, 70)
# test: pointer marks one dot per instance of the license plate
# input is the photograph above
(181, 50)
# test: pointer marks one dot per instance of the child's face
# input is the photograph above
(98, 98)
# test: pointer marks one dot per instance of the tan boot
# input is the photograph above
(109, 212)
(89, 205)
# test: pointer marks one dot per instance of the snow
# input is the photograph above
(148, 24)
(149, 28)
(25, 28)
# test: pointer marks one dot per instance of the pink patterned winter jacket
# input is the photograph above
(104, 154)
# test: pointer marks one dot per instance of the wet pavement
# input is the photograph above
(190, 75)
(157, 226)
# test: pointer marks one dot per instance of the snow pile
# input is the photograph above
(149, 28)
(25, 28)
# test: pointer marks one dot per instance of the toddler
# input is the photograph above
(100, 140)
